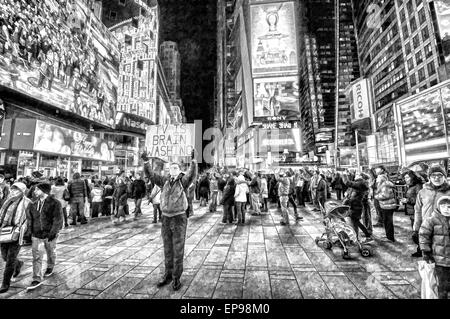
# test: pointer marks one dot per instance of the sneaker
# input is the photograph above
(17, 270)
(48, 272)
(34, 285)
(176, 284)
(154, 221)
(4, 289)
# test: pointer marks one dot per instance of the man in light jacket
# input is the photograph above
(174, 220)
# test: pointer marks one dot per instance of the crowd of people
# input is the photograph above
(370, 196)
(47, 36)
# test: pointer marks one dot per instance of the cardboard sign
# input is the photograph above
(170, 140)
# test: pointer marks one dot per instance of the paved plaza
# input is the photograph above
(259, 260)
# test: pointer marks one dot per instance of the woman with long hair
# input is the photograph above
(58, 191)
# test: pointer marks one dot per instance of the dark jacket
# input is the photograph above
(138, 189)
(77, 188)
(434, 236)
(338, 183)
(48, 222)
(255, 187)
(321, 190)
(228, 193)
(358, 193)
(121, 195)
(221, 184)
(411, 196)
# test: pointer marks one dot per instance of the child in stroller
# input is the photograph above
(337, 231)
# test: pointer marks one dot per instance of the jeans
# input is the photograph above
(292, 201)
(10, 251)
(120, 212)
(156, 212)
(227, 213)
(240, 212)
(189, 209)
(137, 209)
(77, 208)
(376, 203)
(299, 194)
(65, 215)
(173, 233)
(388, 221)
(284, 209)
(265, 204)
(37, 248)
(338, 194)
(443, 279)
(356, 224)
(255, 203)
(213, 204)
(96, 206)
(367, 217)
(106, 207)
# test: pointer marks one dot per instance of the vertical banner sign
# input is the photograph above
(361, 100)
(164, 141)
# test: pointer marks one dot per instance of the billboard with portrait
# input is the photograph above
(54, 139)
(274, 41)
(278, 96)
(60, 53)
(442, 8)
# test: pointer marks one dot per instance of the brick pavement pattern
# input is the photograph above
(261, 259)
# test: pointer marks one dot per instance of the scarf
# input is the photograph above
(8, 209)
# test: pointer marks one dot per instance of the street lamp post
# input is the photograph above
(358, 164)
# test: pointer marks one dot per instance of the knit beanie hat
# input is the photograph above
(21, 186)
(45, 187)
(437, 169)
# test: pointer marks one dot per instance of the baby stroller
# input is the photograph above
(337, 231)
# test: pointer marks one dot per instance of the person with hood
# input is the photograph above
(357, 193)
(385, 195)
(228, 201)
(338, 185)
(414, 184)
(96, 198)
(434, 239)
(240, 198)
(58, 190)
(174, 220)
(78, 192)
(428, 196)
(13, 213)
(120, 197)
(44, 221)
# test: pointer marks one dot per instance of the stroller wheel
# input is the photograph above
(327, 244)
(317, 240)
(366, 252)
(346, 255)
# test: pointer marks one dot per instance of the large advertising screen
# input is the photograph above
(442, 8)
(60, 53)
(279, 140)
(273, 42)
(54, 139)
(276, 97)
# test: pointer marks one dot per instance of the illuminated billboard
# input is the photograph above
(60, 53)
(274, 97)
(274, 41)
(442, 8)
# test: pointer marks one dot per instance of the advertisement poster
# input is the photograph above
(277, 97)
(361, 100)
(279, 140)
(170, 140)
(443, 19)
(274, 41)
(50, 138)
(63, 56)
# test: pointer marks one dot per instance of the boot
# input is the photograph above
(164, 281)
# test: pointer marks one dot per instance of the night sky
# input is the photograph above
(192, 24)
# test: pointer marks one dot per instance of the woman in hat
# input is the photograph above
(12, 213)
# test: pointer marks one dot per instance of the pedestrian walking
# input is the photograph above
(96, 199)
(255, 193)
(337, 185)
(228, 201)
(174, 220)
(78, 192)
(108, 191)
(44, 221)
(60, 192)
(204, 190)
(385, 195)
(138, 190)
(13, 214)
(214, 189)
(283, 194)
(240, 198)
(321, 190)
(313, 184)
(264, 193)
(434, 239)
(120, 198)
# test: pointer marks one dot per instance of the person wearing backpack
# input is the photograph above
(174, 203)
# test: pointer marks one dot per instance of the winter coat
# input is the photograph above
(213, 184)
(138, 189)
(173, 195)
(240, 193)
(97, 194)
(46, 223)
(356, 196)
(20, 217)
(228, 193)
(255, 187)
(108, 191)
(221, 183)
(411, 196)
(434, 236)
(426, 201)
(321, 190)
(58, 192)
(121, 195)
(264, 188)
(283, 186)
(78, 189)
(338, 183)
(386, 196)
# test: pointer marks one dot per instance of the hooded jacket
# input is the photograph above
(240, 194)
(434, 236)
(357, 194)
(411, 197)
(228, 193)
(426, 202)
(385, 194)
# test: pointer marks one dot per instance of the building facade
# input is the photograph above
(171, 63)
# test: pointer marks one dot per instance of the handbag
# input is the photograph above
(66, 195)
(9, 234)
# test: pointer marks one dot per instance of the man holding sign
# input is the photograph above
(174, 219)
